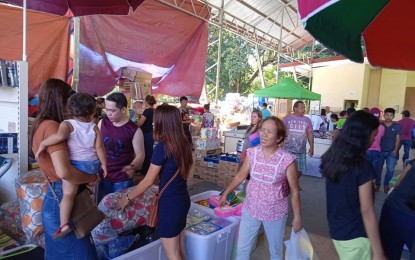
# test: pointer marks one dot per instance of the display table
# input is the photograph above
(313, 163)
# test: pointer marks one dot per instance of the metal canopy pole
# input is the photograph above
(258, 60)
(76, 32)
(219, 53)
(280, 46)
(24, 55)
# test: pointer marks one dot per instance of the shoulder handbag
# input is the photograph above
(85, 215)
(153, 214)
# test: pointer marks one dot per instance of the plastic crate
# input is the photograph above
(205, 196)
(215, 246)
(153, 251)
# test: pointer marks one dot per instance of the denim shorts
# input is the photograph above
(89, 167)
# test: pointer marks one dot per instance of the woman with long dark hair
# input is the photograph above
(349, 190)
(169, 155)
(55, 164)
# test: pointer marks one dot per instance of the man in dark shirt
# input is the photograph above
(389, 145)
(185, 118)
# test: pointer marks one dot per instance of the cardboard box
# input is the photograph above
(203, 153)
(139, 85)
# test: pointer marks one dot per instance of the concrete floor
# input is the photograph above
(313, 205)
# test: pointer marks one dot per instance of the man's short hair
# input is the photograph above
(297, 103)
(350, 111)
(119, 99)
(406, 113)
(389, 110)
(264, 105)
(183, 98)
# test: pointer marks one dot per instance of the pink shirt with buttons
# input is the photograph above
(267, 190)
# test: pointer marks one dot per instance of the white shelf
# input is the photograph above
(14, 118)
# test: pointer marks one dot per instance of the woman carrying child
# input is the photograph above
(55, 164)
(273, 175)
(86, 151)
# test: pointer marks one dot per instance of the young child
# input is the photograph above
(349, 190)
(273, 171)
(86, 150)
(389, 145)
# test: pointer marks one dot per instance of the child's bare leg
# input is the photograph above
(69, 193)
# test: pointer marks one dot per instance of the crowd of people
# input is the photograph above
(158, 147)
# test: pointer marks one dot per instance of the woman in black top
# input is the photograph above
(145, 122)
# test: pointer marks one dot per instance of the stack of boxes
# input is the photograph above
(210, 164)
(207, 151)
(228, 167)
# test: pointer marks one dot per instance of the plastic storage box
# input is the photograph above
(152, 251)
(215, 246)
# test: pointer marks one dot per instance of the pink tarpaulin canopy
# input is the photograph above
(155, 37)
(154, 34)
(80, 7)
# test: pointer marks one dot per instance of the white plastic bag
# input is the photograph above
(299, 247)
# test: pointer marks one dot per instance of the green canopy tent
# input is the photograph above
(287, 89)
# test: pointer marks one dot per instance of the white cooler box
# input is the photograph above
(215, 246)
(152, 251)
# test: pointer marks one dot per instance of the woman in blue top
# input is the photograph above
(169, 155)
(349, 190)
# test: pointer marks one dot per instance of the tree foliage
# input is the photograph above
(239, 69)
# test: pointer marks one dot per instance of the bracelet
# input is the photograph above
(128, 198)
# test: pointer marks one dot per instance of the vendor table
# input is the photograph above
(313, 163)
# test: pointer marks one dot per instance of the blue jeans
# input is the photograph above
(106, 187)
(88, 167)
(68, 247)
(374, 157)
(396, 229)
(390, 166)
(406, 148)
(248, 231)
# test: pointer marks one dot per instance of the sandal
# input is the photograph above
(63, 233)
(386, 189)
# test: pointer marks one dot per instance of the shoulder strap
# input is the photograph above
(167, 184)
(51, 189)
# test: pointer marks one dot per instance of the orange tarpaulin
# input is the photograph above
(47, 43)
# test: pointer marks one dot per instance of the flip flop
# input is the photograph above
(61, 234)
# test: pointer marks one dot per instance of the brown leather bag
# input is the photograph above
(85, 215)
(153, 214)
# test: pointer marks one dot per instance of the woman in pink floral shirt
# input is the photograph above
(273, 175)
